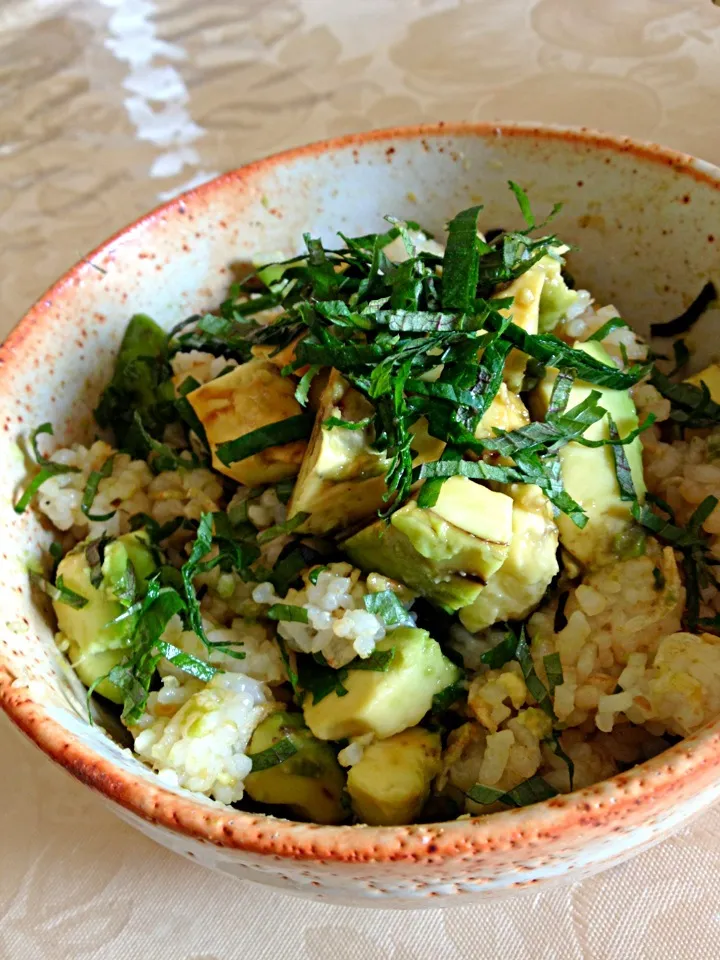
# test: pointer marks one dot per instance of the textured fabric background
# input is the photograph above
(107, 107)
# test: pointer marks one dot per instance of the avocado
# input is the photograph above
(514, 590)
(506, 412)
(589, 472)
(525, 312)
(95, 645)
(447, 552)
(389, 785)
(556, 297)
(341, 479)
(310, 782)
(710, 376)
(384, 702)
(251, 396)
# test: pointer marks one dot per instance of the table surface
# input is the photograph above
(108, 107)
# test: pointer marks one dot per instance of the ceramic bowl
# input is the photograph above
(646, 222)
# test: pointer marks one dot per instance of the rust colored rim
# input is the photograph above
(648, 790)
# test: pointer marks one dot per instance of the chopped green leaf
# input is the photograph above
(281, 529)
(303, 388)
(314, 574)
(386, 605)
(274, 755)
(553, 742)
(553, 671)
(616, 323)
(287, 611)
(687, 319)
(461, 261)
(379, 660)
(49, 468)
(91, 488)
(502, 652)
(534, 790)
(623, 471)
(272, 435)
(443, 700)
(59, 592)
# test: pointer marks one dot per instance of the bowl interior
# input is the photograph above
(644, 223)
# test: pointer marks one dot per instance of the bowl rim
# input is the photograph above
(603, 807)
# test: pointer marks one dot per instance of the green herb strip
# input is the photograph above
(281, 529)
(189, 664)
(91, 489)
(554, 744)
(461, 261)
(691, 406)
(58, 592)
(616, 323)
(697, 560)
(443, 700)
(553, 352)
(532, 681)
(317, 678)
(387, 607)
(379, 661)
(687, 319)
(622, 466)
(48, 469)
(553, 671)
(287, 612)
(534, 790)
(166, 458)
(346, 424)
(314, 574)
(273, 756)
(303, 388)
(134, 674)
(273, 435)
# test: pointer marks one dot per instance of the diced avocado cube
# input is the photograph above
(251, 396)
(143, 338)
(589, 472)
(384, 702)
(710, 376)
(425, 448)
(447, 552)
(524, 312)
(342, 479)
(389, 785)
(506, 412)
(514, 590)
(556, 297)
(310, 782)
(95, 644)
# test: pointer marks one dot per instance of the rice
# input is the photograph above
(195, 736)
(199, 365)
(253, 651)
(130, 489)
(339, 627)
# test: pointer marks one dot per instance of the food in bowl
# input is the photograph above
(403, 531)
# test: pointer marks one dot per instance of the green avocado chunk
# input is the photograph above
(389, 785)
(589, 472)
(447, 552)
(556, 297)
(385, 702)
(310, 782)
(95, 644)
(342, 479)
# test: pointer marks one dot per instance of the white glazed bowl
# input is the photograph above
(647, 224)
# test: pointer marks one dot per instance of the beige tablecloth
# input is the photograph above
(106, 107)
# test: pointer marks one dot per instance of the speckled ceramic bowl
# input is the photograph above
(647, 224)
